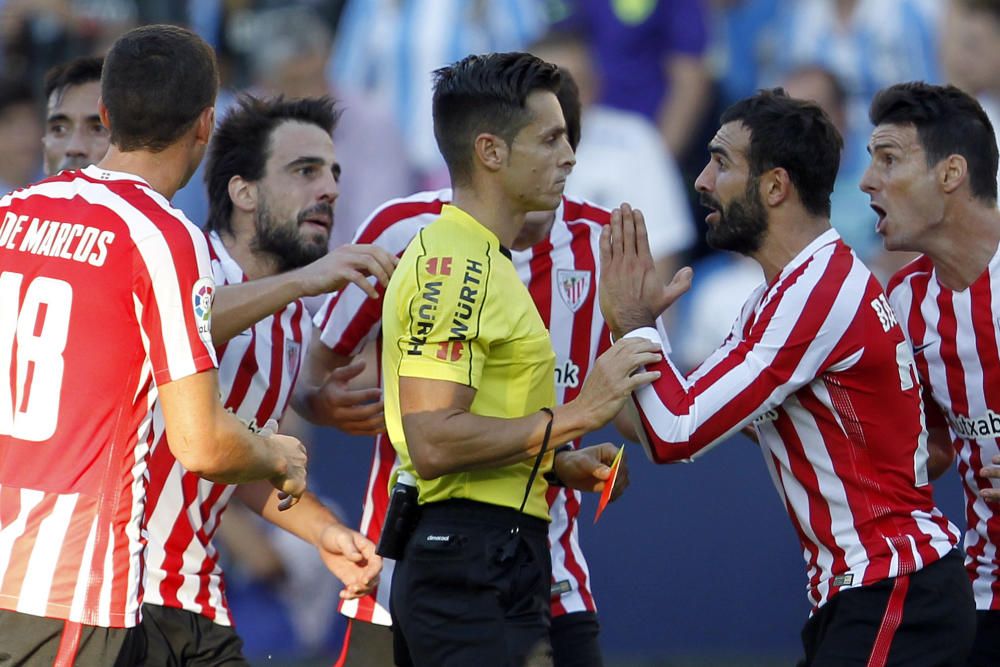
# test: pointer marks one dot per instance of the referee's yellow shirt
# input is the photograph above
(455, 310)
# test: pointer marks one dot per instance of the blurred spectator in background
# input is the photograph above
(388, 49)
(649, 56)
(850, 214)
(620, 157)
(38, 34)
(292, 49)
(744, 46)
(970, 52)
(20, 134)
(866, 44)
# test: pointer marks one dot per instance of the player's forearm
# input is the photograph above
(451, 441)
(306, 520)
(238, 307)
(239, 455)
(208, 440)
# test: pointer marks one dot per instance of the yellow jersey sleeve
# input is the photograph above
(451, 318)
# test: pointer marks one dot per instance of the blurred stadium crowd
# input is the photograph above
(653, 77)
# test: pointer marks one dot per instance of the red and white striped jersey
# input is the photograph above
(561, 274)
(954, 337)
(257, 371)
(817, 362)
(105, 292)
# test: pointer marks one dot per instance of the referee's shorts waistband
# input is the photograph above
(473, 511)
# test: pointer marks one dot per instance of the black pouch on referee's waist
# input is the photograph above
(400, 518)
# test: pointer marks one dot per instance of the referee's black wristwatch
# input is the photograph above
(551, 476)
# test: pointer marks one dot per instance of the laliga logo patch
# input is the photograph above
(202, 295)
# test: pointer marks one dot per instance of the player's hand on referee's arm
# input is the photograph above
(350, 556)
(588, 469)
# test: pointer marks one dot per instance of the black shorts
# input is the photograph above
(366, 645)
(468, 591)
(922, 620)
(574, 640)
(27, 640)
(986, 649)
(177, 637)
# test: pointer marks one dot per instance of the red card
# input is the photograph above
(610, 484)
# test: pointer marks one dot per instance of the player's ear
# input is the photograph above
(243, 194)
(952, 172)
(775, 186)
(490, 151)
(204, 125)
(102, 112)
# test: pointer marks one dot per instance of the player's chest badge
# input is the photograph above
(573, 287)
(292, 349)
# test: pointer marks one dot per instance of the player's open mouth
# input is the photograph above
(880, 212)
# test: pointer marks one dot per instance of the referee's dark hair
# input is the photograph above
(948, 122)
(569, 100)
(485, 93)
(156, 81)
(794, 135)
(74, 72)
(241, 145)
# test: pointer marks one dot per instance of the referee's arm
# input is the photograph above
(444, 437)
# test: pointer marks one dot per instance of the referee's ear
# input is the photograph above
(491, 151)
(243, 194)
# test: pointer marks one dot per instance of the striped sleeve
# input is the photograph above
(174, 289)
(350, 318)
(798, 332)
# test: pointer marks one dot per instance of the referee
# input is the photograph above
(469, 369)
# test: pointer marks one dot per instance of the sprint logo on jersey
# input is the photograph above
(568, 375)
(978, 428)
(202, 296)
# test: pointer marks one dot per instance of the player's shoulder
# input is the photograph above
(404, 213)
(576, 210)
(919, 269)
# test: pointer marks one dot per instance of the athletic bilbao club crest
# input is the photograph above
(574, 286)
(292, 349)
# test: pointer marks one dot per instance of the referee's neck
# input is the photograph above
(492, 211)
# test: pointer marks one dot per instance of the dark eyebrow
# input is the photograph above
(716, 149)
(56, 116)
(883, 145)
(304, 161)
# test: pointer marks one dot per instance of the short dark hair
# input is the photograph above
(990, 7)
(14, 92)
(569, 100)
(156, 81)
(795, 135)
(948, 122)
(74, 72)
(241, 145)
(485, 93)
